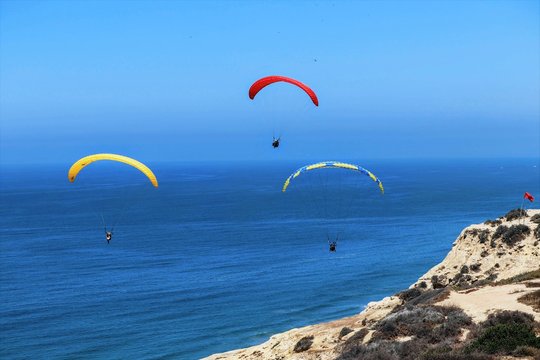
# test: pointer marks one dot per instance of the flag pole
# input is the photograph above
(521, 209)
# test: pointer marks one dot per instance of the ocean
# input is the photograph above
(217, 257)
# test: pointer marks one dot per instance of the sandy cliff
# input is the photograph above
(495, 250)
(446, 308)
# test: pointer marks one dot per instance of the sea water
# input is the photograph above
(217, 258)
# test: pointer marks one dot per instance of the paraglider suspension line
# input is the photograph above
(103, 221)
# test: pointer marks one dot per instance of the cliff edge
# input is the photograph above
(481, 302)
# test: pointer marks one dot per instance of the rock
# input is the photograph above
(304, 344)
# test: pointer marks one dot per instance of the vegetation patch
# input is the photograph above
(435, 331)
(505, 338)
(345, 331)
(493, 223)
(389, 350)
(462, 280)
(536, 219)
(437, 282)
(409, 294)
(537, 232)
(428, 297)
(504, 332)
(522, 351)
(500, 231)
(304, 344)
(508, 317)
(483, 235)
(515, 214)
(415, 349)
(531, 275)
(531, 299)
(511, 235)
(358, 337)
(431, 323)
(455, 356)
(475, 267)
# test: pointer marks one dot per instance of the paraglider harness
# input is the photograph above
(275, 142)
(108, 235)
(332, 244)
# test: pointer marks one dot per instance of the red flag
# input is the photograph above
(528, 197)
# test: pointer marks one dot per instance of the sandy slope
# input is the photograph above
(479, 303)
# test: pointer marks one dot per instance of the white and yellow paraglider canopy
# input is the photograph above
(87, 160)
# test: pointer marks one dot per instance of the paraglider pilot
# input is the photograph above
(108, 235)
(333, 244)
(275, 142)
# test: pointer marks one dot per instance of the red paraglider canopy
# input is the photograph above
(265, 81)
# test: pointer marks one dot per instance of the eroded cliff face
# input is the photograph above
(465, 286)
(326, 336)
(492, 251)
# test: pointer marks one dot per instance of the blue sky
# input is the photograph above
(166, 81)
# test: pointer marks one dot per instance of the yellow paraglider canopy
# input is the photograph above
(87, 160)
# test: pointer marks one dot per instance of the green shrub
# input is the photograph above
(535, 274)
(436, 282)
(384, 350)
(505, 338)
(513, 234)
(455, 356)
(429, 297)
(508, 317)
(462, 280)
(345, 331)
(433, 323)
(357, 337)
(500, 231)
(483, 236)
(475, 267)
(493, 223)
(532, 299)
(522, 351)
(536, 219)
(409, 294)
(515, 214)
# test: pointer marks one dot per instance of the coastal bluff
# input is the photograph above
(481, 302)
